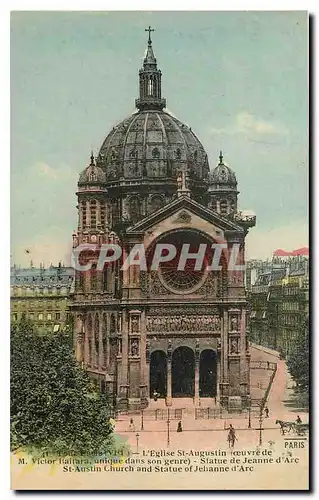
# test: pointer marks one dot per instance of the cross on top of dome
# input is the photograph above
(150, 81)
(149, 29)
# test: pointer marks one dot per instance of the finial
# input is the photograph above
(221, 157)
(149, 29)
(92, 158)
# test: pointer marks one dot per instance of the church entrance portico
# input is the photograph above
(158, 374)
(208, 374)
(183, 373)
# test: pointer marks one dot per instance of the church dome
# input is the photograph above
(92, 174)
(222, 175)
(152, 144)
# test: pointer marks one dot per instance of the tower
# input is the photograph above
(222, 190)
(150, 79)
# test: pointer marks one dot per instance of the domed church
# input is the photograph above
(142, 331)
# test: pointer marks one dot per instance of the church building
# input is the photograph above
(178, 333)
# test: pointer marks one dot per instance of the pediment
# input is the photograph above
(185, 213)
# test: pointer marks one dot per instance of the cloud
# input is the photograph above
(61, 173)
(246, 124)
(260, 244)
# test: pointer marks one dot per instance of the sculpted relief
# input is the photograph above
(188, 323)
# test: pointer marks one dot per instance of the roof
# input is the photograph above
(152, 144)
(41, 277)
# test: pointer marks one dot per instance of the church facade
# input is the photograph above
(140, 330)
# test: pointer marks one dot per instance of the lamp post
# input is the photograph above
(137, 436)
(260, 425)
(142, 420)
(168, 422)
(249, 415)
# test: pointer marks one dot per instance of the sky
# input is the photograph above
(239, 79)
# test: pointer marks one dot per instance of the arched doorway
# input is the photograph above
(208, 374)
(183, 373)
(158, 374)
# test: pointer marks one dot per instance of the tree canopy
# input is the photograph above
(54, 405)
(298, 360)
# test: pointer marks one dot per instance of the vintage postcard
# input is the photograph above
(159, 274)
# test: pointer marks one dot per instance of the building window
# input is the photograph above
(40, 316)
(155, 153)
(49, 316)
(57, 315)
(223, 207)
(84, 213)
(14, 316)
(93, 214)
(31, 316)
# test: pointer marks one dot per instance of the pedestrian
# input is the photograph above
(266, 412)
(132, 426)
(298, 420)
(179, 427)
(231, 436)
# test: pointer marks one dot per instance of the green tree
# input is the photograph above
(298, 360)
(54, 405)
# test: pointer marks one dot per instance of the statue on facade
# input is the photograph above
(234, 346)
(134, 348)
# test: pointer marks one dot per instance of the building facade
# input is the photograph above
(180, 333)
(279, 304)
(42, 295)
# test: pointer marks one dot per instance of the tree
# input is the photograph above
(54, 405)
(298, 360)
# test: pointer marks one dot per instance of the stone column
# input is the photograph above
(244, 389)
(218, 377)
(169, 374)
(224, 360)
(196, 399)
(144, 391)
(80, 216)
(197, 358)
(169, 382)
(88, 214)
(101, 350)
(123, 396)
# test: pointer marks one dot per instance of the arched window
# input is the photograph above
(89, 332)
(112, 324)
(114, 211)
(83, 208)
(96, 333)
(155, 153)
(134, 209)
(213, 205)
(93, 278)
(93, 213)
(104, 339)
(133, 153)
(157, 202)
(103, 215)
(223, 207)
(150, 86)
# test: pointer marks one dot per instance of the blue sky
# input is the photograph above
(239, 79)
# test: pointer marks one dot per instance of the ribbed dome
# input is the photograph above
(222, 175)
(153, 145)
(92, 174)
